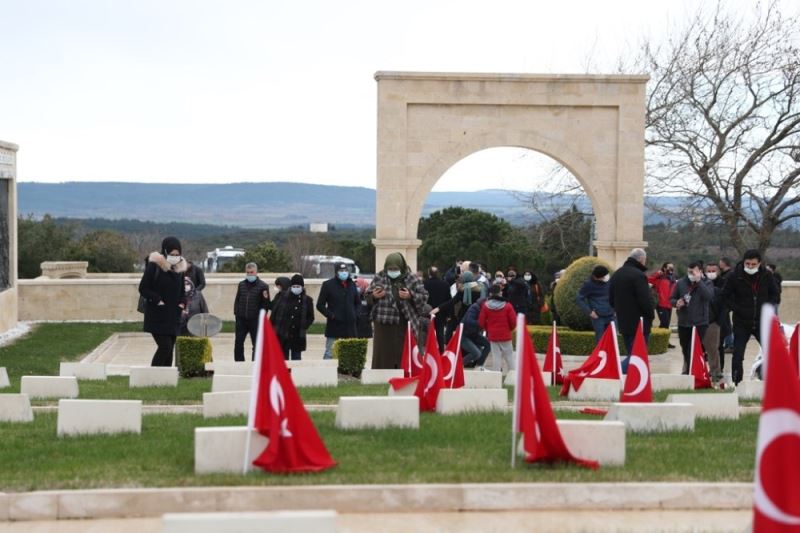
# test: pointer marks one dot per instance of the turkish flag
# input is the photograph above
(431, 380)
(776, 498)
(534, 414)
(453, 361)
(637, 381)
(279, 414)
(698, 366)
(794, 349)
(552, 360)
(410, 362)
(603, 362)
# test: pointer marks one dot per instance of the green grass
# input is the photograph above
(446, 449)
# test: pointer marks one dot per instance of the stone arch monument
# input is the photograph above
(593, 125)
(8, 236)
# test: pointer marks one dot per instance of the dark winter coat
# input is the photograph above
(745, 294)
(292, 315)
(470, 320)
(700, 295)
(438, 291)
(195, 273)
(716, 306)
(162, 282)
(250, 299)
(593, 296)
(629, 295)
(516, 292)
(339, 303)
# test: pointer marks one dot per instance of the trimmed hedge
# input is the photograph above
(582, 342)
(351, 354)
(191, 354)
(567, 288)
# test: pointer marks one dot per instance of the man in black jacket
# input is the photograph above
(629, 295)
(339, 303)
(748, 288)
(438, 293)
(252, 296)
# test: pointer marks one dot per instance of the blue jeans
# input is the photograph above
(476, 349)
(328, 347)
(600, 324)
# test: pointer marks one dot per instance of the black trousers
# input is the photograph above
(664, 316)
(163, 355)
(741, 334)
(685, 337)
(243, 328)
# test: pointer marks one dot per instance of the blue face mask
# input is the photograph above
(343, 275)
(251, 279)
(394, 274)
(296, 290)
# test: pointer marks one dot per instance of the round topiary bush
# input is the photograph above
(567, 289)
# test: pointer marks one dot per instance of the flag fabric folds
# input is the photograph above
(552, 359)
(698, 366)
(603, 362)
(410, 362)
(431, 380)
(638, 387)
(453, 361)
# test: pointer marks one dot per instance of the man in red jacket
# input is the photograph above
(663, 282)
(498, 319)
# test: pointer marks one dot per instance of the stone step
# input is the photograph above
(252, 522)
(91, 417)
(49, 387)
(377, 412)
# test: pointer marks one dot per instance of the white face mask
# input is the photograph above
(528, 278)
(296, 290)
(187, 289)
(499, 279)
(711, 275)
(751, 271)
(607, 277)
(173, 259)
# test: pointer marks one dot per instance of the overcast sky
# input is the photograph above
(209, 91)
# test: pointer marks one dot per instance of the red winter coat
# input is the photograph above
(663, 286)
(497, 317)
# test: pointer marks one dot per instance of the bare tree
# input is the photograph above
(723, 119)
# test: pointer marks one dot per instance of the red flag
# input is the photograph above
(535, 419)
(410, 362)
(697, 363)
(794, 349)
(431, 379)
(776, 497)
(602, 363)
(453, 361)
(637, 382)
(554, 354)
(294, 444)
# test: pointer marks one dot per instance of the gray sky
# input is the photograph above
(201, 91)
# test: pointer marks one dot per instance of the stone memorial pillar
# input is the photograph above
(8, 236)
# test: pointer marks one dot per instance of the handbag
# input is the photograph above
(142, 305)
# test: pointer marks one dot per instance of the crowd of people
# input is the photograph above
(722, 300)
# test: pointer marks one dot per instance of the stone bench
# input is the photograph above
(377, 412)
(721, 405)
(15, 408)
(231, 368)
(596, 440)
(229, 403)
(750, 390)
(225, 383)
(596, 389)
(92, 417)
(653, 417)
(220, 450)
(153, 376)
(4, 381)
(252, 522)
(661, 382)
(379, 376)
(511, 378)
(48, 387)
(314, 376)
(87, 371)
(486, 379)
(408, 390)
(457, 401)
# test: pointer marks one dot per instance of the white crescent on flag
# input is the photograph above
(644, 375)
(415, 357)
(434, 371)
(451, 357)
(533, 410)
(604, 359)
(278, 404)
(774, 423)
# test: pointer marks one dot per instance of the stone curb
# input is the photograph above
(142, 503)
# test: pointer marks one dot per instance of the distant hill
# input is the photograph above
(261, 205)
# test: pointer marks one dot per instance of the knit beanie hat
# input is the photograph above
(297, 279)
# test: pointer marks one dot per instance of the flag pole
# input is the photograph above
(515, 408)
(251, 413)
(767, 315)
(458, 351)
(555, 361)
(410, 348)
(616, 349)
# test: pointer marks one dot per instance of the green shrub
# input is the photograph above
(582, 342)
(351, 354)
(567, 289)
(192, 353)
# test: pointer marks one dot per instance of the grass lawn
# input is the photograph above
(466, 448)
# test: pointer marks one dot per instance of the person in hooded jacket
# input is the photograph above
(282, 284)
(593, 299)
(194, 304)
(497, 317)
(292, 314)
(162, 288)
(746, 290)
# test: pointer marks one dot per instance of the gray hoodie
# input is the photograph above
(699, 296)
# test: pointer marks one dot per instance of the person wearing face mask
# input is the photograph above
(711, 339)
(339, 303)
(292, 314)
(663, 282)
(252, 295)
(691, 297)
(748, 288)
(194, 304)
(593, 299)
(398, 298)
(516, 292)
(162, 288)
(629, 295)
(536, 304)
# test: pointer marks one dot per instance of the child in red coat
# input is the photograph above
(498, 319)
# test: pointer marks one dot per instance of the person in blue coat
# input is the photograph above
(593, 299)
